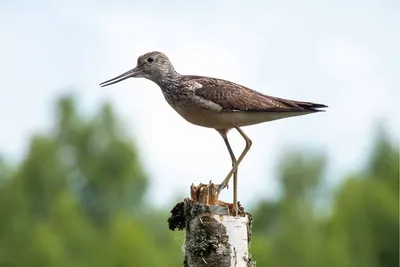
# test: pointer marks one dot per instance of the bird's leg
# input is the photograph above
(235, 173)
(225, 182)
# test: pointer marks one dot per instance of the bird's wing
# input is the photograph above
(231, 96)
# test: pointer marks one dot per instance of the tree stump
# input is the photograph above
(214, 237)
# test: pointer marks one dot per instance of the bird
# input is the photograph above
(215, 103)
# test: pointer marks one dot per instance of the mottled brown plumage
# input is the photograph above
(215, 103)
(232, 96)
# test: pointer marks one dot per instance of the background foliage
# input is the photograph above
(76, 199)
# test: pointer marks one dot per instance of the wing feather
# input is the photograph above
(232, 96)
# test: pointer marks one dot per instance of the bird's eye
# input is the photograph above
(150, 59)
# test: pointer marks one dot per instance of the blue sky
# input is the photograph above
(341, 53)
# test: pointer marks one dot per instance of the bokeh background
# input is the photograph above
(89, 174)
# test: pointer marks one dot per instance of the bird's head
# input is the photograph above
(154, 66)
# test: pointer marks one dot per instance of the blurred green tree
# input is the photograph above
(76, 198)
(290, 225)
(102, 162)
(362, 228)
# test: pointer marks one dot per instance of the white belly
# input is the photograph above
(226, 120)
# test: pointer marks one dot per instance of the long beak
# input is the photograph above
(123, 76)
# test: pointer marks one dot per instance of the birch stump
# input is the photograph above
(214, 237)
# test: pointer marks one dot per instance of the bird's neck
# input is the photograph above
(168, 80)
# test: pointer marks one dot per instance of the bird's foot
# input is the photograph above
(235, 209)
(221, 187)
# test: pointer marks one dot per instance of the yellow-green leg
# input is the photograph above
(235, 164)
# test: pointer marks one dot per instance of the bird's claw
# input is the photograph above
(222, 187)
